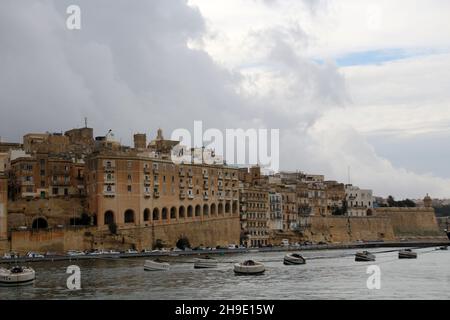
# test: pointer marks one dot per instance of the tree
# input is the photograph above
(183, 243)
(158, 244)
(112, 228)
(391, 202)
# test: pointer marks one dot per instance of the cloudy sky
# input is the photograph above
(349, 83)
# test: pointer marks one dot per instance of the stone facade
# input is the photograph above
(3, 207)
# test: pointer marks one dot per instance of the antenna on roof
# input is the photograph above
(349, 181)
(85, 122)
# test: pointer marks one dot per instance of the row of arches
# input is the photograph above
(176, 213)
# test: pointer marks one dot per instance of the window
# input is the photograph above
(108, 188)
(42, 184)
(129, 177)
(55, 191)
(42, 172)
(129, 188)
(129, 163)
(66, 191)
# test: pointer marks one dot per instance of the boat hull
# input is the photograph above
(17, 279)
(409, 255)
(205, 263)
(292, 260)
(156, 266)
(257, 269)
(360, 257)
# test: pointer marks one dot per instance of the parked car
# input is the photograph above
(75, 253)
(232, 246)
(284, 242)
(131, 251)
(34, 255)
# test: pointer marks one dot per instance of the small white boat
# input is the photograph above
(407, 254)
(293, 258)
(156, 265)
(364, 256)
(249, 267)
(205, 262)
(17, 276)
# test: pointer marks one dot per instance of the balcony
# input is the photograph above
(190, 196)
(205, 175)
(147, 194)
(205, 186)
(155, 170)
(147, 183)
(27, 183)
(156, 183)
(182, 195)
(189, 173)
(146, 170)
(182, 185)
(220, 177)
(205, 197)
(181, 173)
(220, 187)
(109, 193)
(190, 185)
(109, 168)
(156, 194)
(227, 177)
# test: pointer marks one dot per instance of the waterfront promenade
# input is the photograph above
(162, 253)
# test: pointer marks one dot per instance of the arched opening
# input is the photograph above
(181, 213)
(40, 223)
(220, 208)
(109, 217)
(164, 213)
(205, 210)
(227, 207)
(235, 206)
(173, 213)
(146, 214)
(369, 212)
(155, 214)
(190, 211)
(213, 209)
(197, 210)
(129, 216)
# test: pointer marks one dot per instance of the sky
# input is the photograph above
(350, 84)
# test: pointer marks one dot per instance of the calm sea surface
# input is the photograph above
(329, 274)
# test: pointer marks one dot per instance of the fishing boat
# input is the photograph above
(364, 256)
(443, 248)
(407, 254)
(156, 265)
(293, 258)
(249, 267)
(205, 262)
(17, 276)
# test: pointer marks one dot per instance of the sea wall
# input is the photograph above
(56, 211)
(411, 222)
(213, 232)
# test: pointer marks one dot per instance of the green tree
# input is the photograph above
(183, 243)
(112, 228)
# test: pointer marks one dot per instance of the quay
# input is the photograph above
(167, 253)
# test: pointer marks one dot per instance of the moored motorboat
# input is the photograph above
(156, 265)
(249, 267)
(293, 258)
(17, 276)
(364, 256)
(443, 248)
(407, 254)
(205, 262)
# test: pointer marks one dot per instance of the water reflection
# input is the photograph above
(327, 275)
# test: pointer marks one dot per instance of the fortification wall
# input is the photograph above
(411, 222)
(220, 231)
(57, 211)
